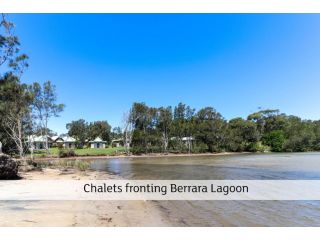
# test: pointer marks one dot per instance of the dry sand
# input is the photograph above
(79, 213)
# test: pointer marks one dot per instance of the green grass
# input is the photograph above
(83, 152)
(81, 165)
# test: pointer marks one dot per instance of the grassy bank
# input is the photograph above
(82, 152)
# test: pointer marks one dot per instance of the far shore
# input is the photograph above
(150, 155)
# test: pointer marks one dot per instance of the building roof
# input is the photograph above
(117, 140)
(69, 139)
(187, 139)
(34, 138)
(98, 140)
(54, 138)
(184, 138)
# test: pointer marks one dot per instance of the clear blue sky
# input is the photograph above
(102, 63)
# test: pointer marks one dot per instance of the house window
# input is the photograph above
(70, 145)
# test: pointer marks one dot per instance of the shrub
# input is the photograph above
(255, 147)
(200, 148)
(8, 168)
(275, 140)
(81, 165)
(66, 153)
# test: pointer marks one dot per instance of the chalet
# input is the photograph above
(69, 142)
(39, 142)
(117, 142)
(98, 143)
(57, 141)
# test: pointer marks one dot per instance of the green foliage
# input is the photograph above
(83, 131)
(79, 130)
(266, 130)
(81, 165)
(99, 129)
(54, 152)
(242, 135)
(63, 153)
(200, 148)
(275, 139)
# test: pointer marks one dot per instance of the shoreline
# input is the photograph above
(151, 155)
(79, 213)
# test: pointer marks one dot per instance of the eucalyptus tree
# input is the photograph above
(128, 128)
(242, 135)
(79, 130)
(164, 125)
(190, 126)
(15, 102)
(100, 129)
(9, 43)
(15, 97)
(178, 124)
(45, 106)
(116, 133)
(210, 126)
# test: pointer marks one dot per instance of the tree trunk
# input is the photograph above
(20, 142)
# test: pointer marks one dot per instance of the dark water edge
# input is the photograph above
(282, 166)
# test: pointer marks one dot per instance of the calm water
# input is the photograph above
(242, 167)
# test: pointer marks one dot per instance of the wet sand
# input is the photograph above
(79, 213)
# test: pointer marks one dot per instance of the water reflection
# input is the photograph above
(228, 213)
(241, 167)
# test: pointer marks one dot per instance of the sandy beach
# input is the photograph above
(85, 213)
(79, 213)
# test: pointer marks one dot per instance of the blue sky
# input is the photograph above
(102, 63)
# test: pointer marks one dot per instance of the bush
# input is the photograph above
(81, 165)
(275, 140)
(200, 148)
(8, 168)
(66, 153)
(138, 150)
(257, 147)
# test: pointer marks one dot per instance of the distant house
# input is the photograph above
(39, 142)
(98, 143)
(117, 142)
(188, 139)
(69, 142)
(57, 141)
(185, 140)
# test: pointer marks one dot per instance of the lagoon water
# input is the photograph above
(284, 166)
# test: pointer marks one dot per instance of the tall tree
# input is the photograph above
(45, 106)
(210, 126)
(178, 124)
(79, 130)
(164, 125)
(242, 135)
(100, 129)
(116, 133)
(9, 43)
(15, 101)
(128, 127)
(189, 126)
(14, 96)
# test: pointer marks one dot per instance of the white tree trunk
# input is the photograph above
(13, 126)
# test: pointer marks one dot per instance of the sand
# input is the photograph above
(79, 213)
